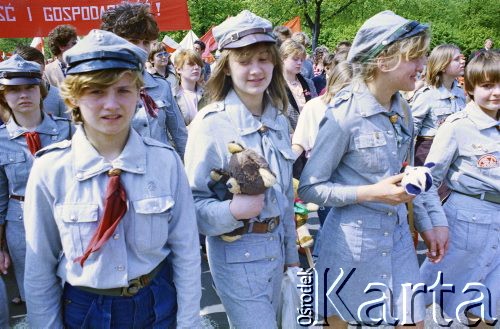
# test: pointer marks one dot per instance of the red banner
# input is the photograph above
(30, 18)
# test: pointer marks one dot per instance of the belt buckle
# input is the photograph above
(133, 288)
(271, 225)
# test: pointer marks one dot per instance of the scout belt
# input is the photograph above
(133, 287)
(17, 197)
(266, 226)
(490, 197)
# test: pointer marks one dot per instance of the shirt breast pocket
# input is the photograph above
(370, 153)
(78, 223)
(16, 166)
(152, 218)
(441, 113)
(470, 230)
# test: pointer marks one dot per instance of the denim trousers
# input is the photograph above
(4, 309)
(154, 306)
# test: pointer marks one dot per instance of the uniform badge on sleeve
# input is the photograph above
(487, 161)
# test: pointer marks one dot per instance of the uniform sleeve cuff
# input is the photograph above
(226, 219)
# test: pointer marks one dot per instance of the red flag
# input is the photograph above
(209, 40)
(26, 18)
(294, 24)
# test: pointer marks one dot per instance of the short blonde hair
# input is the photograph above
(187, 56)
(408, 48)
(290, 48)
(439, 59)
(74, 86)
(220, 82)
(484, 67)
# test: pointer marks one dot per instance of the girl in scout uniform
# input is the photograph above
(441, 97)
(354, 168)
(189, 66)
(249, 101)
(100, 262)
(28, 129)
(466, 151)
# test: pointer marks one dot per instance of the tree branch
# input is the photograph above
(343, 7)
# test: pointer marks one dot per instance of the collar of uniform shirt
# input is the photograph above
(244, 121)
(46, 127)
(444, 93)
(88, 163)
(479, 118)
(369, 106)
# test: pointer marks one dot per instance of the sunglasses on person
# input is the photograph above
(162, 54)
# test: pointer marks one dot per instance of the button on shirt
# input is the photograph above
(466, 151)
(16, 160)
(431, 106)
(63, 207)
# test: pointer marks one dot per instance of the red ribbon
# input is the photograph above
(149, 103)
(115, 208)
(33, 141)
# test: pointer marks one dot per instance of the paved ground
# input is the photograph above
(211, 308)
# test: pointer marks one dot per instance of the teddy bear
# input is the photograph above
(247, 173)
(417, 179)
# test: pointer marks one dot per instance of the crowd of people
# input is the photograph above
(107, 153)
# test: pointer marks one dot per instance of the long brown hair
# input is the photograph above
(438, 61)
(220, 83)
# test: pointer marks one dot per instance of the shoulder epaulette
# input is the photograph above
(341, 97)
(53, 147)
(211, 108)
(456, 116)
(154, 142)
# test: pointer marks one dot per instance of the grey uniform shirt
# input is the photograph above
(16, 160)
(431, 106)
(54, 104)
(64, 203)
(212, 129)
(466, 151)
(168, 127)
(357, 145)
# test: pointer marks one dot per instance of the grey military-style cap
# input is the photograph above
(242, 30)
(380, 31)
(17, 71)
(103, 50)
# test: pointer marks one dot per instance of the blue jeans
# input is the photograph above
(154, 306)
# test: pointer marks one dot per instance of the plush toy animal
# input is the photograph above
(247, 173)
(417, 179)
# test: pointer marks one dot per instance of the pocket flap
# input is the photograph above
(239, 253)
(366, 221)
(442, 110)
(154, 205)
(288, 154)
(373, 139)
(474, 217)
(12, 157)
(77, 213)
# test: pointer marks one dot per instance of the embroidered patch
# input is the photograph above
(487, 161)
